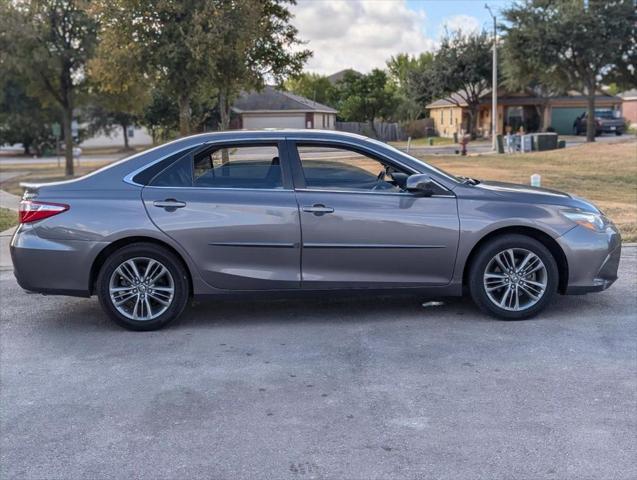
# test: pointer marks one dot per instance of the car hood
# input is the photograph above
(526, 193)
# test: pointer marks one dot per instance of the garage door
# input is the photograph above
(562, 119)
(274, 121)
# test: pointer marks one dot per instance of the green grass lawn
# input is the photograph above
(8, 219)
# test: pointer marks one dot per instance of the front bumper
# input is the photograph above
(593, 259)
(56, 267)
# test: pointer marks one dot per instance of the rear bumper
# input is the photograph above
(56, 267)
(593, 259)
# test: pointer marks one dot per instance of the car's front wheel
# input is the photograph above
(143, 286)
(513, 277)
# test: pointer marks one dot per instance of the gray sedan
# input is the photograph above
(293, 212)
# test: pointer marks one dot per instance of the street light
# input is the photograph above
(494, 87)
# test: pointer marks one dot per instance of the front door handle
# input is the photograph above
(318, 209)
(169, 204)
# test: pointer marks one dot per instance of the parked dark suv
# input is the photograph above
(606, 121)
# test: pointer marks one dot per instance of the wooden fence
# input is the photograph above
(389, 131)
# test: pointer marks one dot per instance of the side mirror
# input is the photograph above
(420, 184)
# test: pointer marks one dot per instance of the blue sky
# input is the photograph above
(363, 34)
(438, 10)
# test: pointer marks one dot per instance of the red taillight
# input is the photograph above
(31, 211)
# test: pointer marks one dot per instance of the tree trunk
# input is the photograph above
(473, 121)
(67, 120)
(184, 115)
(590, 115)
(125, 130)
(539, 109)
(373, 128)
(224, 111)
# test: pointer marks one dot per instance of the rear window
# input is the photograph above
(146, 176)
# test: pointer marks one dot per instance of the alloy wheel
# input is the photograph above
(515, 279)
(141, 288)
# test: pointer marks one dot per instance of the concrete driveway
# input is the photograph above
(372, 388)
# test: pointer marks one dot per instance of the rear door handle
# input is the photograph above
(169, 204)
(318, 209)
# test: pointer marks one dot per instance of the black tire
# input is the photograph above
(166, 258)
(618, 133)
(487, 252)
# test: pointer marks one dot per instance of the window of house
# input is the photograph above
(337, 168)
(238, 167)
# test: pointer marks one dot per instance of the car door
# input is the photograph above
(232, 208)
(361, 229)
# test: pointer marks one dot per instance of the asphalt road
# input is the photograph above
(370, 388)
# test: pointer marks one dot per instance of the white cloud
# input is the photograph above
(464, 23)
(359, 34)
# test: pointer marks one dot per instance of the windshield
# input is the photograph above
(604, 114)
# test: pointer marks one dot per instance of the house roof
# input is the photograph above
(272, 100)
(454, 100)
(338, 76)
(504, 98)
(628, 94)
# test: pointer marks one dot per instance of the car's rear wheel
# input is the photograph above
(143, 286)
(513, 277)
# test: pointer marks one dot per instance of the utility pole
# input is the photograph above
(494, 82)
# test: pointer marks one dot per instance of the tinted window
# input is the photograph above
(146, 176)
(335, 168)
(239, 167)
(179, 174)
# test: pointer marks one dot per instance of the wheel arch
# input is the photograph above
(537, 234)
(122, 242)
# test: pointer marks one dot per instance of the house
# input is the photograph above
(340, 75)
(137, 137)
(629, 105)
(451, 115)
(272, 108)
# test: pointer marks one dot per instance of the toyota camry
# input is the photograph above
(288, 212)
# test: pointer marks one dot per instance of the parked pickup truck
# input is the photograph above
(606, 121)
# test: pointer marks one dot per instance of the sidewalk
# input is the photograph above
(5, 257)
(9, 200)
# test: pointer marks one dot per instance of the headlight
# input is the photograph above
(593, 221)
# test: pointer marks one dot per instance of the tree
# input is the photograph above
(198, 50)
(161, 42)
(461, 72)
(255, 41)
(23, 119)
(574, 43)
(104, 117)
(313, 86)
(365, 98)
(59, 36)
(404, 73)
(522, 72)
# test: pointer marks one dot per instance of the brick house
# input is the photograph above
(451, 115)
